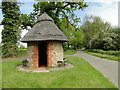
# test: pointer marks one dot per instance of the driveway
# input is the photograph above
(108, 68)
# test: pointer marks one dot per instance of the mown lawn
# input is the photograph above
(83, 75)
(69, 52)
(22, 52)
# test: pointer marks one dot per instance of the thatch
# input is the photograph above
(44, 30)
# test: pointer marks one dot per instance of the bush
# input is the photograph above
(111, 52)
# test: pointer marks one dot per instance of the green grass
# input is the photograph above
(69, 52)
(111, 55)
(22, 52)
(110, 52)
(83, 75)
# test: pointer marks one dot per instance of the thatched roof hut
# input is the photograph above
(44, 42)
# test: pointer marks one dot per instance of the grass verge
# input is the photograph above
(83, 75)
(69, 52)
(110, 52)
(22, 52)
(106, 56)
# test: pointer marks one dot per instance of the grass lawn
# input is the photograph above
(22, 52)
(105, 54)
(83, 75)
(69, 52)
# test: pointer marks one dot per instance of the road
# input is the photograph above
(108, 68)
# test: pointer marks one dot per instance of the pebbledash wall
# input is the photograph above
(54, 53)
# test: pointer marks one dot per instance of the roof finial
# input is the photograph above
(45, 17)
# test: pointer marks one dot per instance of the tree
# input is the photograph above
(97, 33)
(115, 35)
(75, 37)
(10, 33)
(56, 10)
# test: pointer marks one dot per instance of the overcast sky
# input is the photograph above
(106, 9)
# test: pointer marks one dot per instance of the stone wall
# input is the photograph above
(54, 53)
(30, 53)
(57, 53)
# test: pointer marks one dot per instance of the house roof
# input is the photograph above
(44, 30)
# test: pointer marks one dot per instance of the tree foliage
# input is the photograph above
(56, 10)
(10, 33)
(99, 34)
(116, 38)
(75, 36)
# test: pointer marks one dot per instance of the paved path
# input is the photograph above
(11, 59)
(108, 68)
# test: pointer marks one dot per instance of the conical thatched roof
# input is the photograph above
(44, 30)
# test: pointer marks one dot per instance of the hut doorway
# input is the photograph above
(42, 54)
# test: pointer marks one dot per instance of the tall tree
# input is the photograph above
(10, 33)
(75, 36)
(114, 34)
(56, 10)
(97, 33)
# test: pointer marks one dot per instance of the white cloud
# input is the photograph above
(107, 11)
(1, 27)
(22, 35)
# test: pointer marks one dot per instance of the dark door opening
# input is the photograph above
(42, 54)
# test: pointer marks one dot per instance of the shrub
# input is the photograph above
(111, 52)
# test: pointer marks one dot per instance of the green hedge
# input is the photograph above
(111, 52)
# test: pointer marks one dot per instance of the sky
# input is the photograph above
(106, 9)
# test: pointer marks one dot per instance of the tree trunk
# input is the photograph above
(68, 45)
(90, 44)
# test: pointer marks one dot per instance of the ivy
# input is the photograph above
(10, 33)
